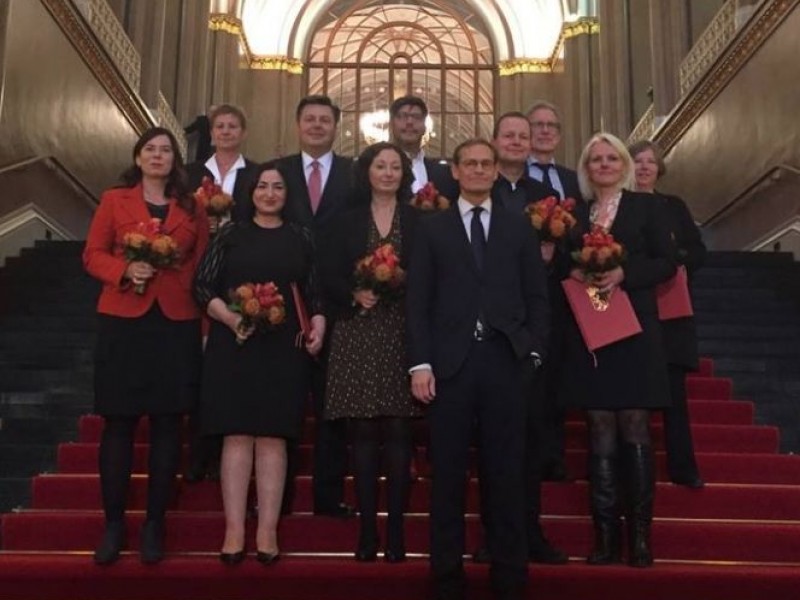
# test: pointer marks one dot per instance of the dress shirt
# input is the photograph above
(325, 163)
(228, 182)
(465, 210)
(419, 170)
(535, 172)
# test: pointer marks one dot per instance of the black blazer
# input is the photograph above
(569, 181)
(446, 291)
(243, 203)
(336, 196)
(441, 176)
(680, 335)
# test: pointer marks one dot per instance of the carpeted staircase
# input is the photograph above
(739, 538)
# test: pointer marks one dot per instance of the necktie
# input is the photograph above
(315, 186)
(546, 177)
(477, 237)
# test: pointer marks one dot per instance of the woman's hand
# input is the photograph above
(365, 298)
(577, 275)
(609, 280)
(316, 336)
(241, 332)
(139, 272)
(548, 250)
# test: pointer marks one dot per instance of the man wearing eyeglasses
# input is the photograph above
(407, 122)
(545, 138)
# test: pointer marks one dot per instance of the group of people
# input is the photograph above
(480, 342)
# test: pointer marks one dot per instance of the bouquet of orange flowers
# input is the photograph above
(260, 304)
(381, 273)
(428, 199)
(216, 202)
(551, 218)
(148, 244)
(600, 253)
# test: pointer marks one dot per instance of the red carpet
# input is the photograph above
(739, 538)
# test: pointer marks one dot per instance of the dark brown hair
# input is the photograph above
(363, 187)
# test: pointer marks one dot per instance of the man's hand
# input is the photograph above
(423, 385)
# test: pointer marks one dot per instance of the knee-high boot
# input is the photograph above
(605, 510)
(640, 491)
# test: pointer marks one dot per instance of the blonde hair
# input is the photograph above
(587, 189)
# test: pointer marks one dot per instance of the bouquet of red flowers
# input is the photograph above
(260, 304)
(551, 218)
(148, 244)
(216, 202)
(381, 273)
(428, 199)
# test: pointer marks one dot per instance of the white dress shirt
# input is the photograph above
(228, 182)
(419, 170)
(535, 172)
(325, 163)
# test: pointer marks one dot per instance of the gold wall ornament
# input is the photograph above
(226, 23)
(277, 63)
(524, 65)
(583, 26)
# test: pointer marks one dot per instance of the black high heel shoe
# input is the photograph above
(111, 545)
(231, 558)
(367, 549)
(268, 558)
(396, 555)
(151, 547)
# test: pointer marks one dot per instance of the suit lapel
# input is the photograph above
(135, 205)
(299, 184)
(456, 225)
(331, 185)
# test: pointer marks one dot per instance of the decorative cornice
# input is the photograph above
(583, 26)
(744, 46)
(100, 64)
(226, 23)
(524, 65)
(277, 63)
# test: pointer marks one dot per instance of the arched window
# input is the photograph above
(370, 53)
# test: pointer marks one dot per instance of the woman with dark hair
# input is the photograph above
(680, 335)
(620, 383)
(254, 380)
(148, 353)
(367, 378)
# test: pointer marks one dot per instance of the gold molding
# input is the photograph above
(745, 45)
(277, 63)
(225, 23)
(102, 67)
(524, 65)
(583, 26)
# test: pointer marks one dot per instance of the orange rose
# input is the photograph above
(276, 314)
(251, 307)
(245, 292)
(383, 272)
(603, 254)
(557, 228)
(134, 239)
(586, 254)
(163, 245)
(537, 220)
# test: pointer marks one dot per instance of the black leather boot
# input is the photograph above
(151, 545)
(605, 510)
(112, 544)
(640, 491)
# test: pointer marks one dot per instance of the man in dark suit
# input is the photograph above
(477, 329)
(407, 120)
(321, 186)
(545, 124)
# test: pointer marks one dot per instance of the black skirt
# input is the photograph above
(148, 365)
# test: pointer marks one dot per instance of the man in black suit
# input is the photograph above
(477, 318)
(407, 119)
(321, 186)
(545, 124)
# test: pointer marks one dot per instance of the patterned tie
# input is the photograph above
(315, 186)
(546, 177)
(477, 237)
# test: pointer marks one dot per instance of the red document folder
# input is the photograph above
(674, 301)
(302, 314)
(601, 324)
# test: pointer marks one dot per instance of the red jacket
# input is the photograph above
(122, 210)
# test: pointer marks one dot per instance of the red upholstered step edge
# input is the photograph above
(202, 532)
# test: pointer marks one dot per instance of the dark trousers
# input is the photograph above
(330, 451)
(487, 389)
(681, 463)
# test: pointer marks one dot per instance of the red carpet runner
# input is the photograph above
(739, 538)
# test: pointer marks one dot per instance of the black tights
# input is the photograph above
(609, 428)
(116, 461)
(395, 432)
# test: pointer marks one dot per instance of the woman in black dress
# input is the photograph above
(254, 381)
(148, 358)
(620, 383)
(680, 335)
(367, 378)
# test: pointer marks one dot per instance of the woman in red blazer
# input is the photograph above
(148, 353)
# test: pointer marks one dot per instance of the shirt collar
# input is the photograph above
(465, 207)
(211, 165)
(325, 161)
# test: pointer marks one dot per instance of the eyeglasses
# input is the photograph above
(546, 125)
(412, 116)
(472, 163)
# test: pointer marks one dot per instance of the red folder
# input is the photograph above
(674, 301)
(302, 315)
(601, 323)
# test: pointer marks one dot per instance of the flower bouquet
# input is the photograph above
(148, 244)
(217, 203)
(551, 219)
(599, 254)
(381, 273)
(428, 199)
(260, 304)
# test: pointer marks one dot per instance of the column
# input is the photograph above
(670, 35)
(146, 30)
(615, 89)
(581, 109)
(193, 94)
